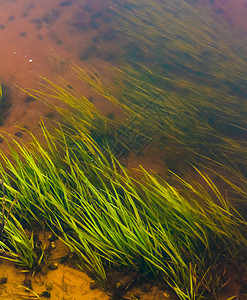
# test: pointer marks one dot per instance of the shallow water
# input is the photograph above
(38, 37)
(234, 12)
(31, 30)
(43, 37)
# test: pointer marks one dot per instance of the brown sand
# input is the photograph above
(64, 283)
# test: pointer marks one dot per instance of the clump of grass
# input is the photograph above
(18, 246)
(108, 218)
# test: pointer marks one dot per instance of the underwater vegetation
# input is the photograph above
(109, 219)
(182, 76)
(179, 89)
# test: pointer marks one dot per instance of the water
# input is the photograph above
(41, 38)
(233, 12)
(184, 76)
(36, 38)
(35, 35)
(31, 30)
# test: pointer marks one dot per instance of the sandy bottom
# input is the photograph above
(60, 279)
(38, 38)
(67, 283)
(64, 282)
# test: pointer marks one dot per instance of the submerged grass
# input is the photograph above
(107, 218)
(74, 185)
(182, 78)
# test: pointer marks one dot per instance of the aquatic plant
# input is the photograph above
(108, 218)
(18, 246)
(74, 185)
(178, 83)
